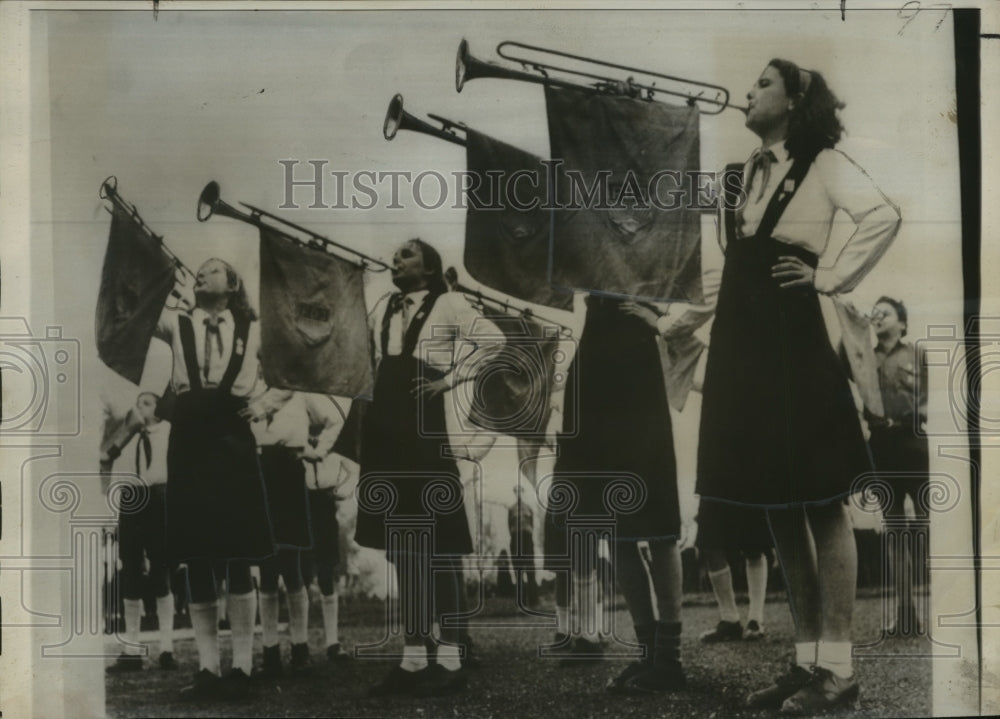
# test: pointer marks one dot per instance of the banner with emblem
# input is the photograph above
(313, 321)
(512, 394)
(136, 280)
(625, 222)
(506, 228)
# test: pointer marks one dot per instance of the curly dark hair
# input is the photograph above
(432, 265)
(899, 307)
(813, 124)
(239, 301)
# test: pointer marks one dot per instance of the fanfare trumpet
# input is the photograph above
(396, 118)
(482, 299)
(468, 67)
(183, 274)
(211, 203)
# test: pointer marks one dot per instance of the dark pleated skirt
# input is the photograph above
(616, 456)
(406, 484)
(725, 526)
(216, 502)
(287, 498)
(779, 425)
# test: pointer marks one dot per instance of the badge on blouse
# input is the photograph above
(239, 347)
(789, 186)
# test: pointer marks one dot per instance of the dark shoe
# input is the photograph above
(397, 681)
(271, 667)
(167, 662)
(336, 654)
(657, 678)
(753, 631)
(125, 663)
(723, 632)
(299, 664)
(203, 688)
(235, 686)
(619, 684)
(825, 691)
(784, 686)
(471, 659)
(582, 651)
(436, 681)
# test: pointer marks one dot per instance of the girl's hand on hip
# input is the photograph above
(792, 272)
(643, 313)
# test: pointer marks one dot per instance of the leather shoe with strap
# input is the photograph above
(784, 686)
(824, 691)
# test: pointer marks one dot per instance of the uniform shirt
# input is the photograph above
(246, 379)
(293, 415)
(156, 472)
(904, 395)
(453, 331)
(834, 181)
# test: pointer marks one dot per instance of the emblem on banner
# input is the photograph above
(517, 226)
(313, 322)
(630, 210)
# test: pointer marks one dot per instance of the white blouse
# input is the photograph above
(453, 332)
(244, 385)
(834, 181)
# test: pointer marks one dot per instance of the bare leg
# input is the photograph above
(796, 550)
(837, 557)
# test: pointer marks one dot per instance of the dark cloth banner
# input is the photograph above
(136, 280)
(512, 392)
(634, 236)
(313, 323)
(506, 229)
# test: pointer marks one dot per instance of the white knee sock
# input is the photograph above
(414, 658)
(757, 587)
(331, 610)
(722, 585)
(835, 656)
(448, 656)
(269, 618)
(242, 609)
(298, 616)
(205, 622)
(805, 654)
(165, 613)
(133, 618)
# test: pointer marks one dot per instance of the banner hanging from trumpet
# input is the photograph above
(313, 321)
(136, 280)
(623, 225)
(506, 229)
(512, 395)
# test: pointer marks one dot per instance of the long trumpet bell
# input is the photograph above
(210, 203)
(396, 119)
(468, 68)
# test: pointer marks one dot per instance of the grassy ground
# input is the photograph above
(514, 682)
